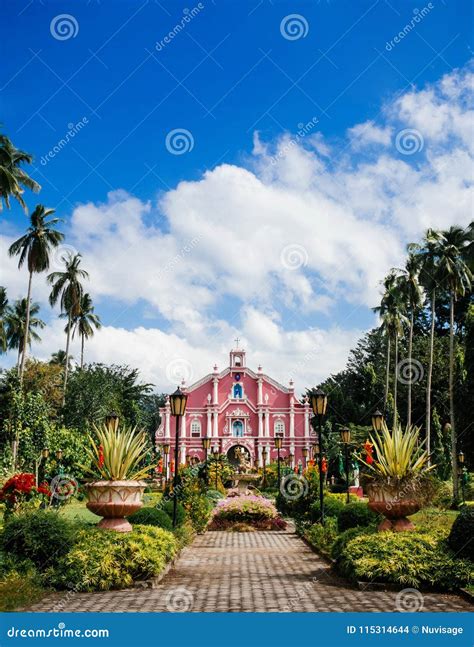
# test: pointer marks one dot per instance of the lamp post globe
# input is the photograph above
(319, 402)
(377, 421)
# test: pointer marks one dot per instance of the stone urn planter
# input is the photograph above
(114, 500)
(396, 504)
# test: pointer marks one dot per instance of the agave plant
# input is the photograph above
(399, 455)
(118, 453)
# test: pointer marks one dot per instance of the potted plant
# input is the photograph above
(117, 465)
(398, 476)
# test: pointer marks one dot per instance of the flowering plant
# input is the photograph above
(256, 511)
(21, 490)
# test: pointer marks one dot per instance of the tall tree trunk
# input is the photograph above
(429, 376)
(454, 457)
(387, 375)
(18, 361)
(395, 384)
(82, 351)
(410, 352)
(27, 330)
(66, 361)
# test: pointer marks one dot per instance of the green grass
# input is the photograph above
(434, 519)
(76, 510)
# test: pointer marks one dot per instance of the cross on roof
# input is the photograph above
(237, 340)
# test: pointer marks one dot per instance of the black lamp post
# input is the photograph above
(206, 443)
(377, 420)
(264, 459)
(215, 453)
(305, 457)
(178, 401)
(461, 475)
(346, 439)
(166, 453)
(319, 403)
(278, 447)
(40, 463)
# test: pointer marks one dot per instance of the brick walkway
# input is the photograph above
(259, 571)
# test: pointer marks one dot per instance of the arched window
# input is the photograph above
(238, 428)
(237, 391)
(195, 429)
(279, 429)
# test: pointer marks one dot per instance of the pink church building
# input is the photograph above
(238, 407)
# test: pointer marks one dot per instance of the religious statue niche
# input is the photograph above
(237, 391)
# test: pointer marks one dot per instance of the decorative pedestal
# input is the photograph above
(115, 500)
(394, 508)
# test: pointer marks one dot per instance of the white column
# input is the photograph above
(215, 394)
(259, 456)
(167, 424)
(292, 419)
(292, 451)
(182, 429)
(183, 455)
(209, 423)
(215, 428)
(267, 424)
(260, 424)
(306, 424)
(260, 391)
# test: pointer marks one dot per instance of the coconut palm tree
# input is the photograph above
(35, 247)
(68, 289)
(392, 314)
(3, 312)
(85, 322)
(457, 278)
(59, 358)
(13, 179)
(21, 323)
(428, 258)
(411, 294)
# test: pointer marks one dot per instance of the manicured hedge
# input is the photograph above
(151, 517)
(461, 537)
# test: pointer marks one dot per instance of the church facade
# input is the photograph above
(239, 407)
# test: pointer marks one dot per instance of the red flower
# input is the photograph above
(101, 456)
(324, 466)
(369, 448)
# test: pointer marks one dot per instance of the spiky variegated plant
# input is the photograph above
(117, 453)
(399, 456)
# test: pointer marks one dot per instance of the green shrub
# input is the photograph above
(333, 504)
(198, 508)
(167, 506)
(355, 514)
(184, 534)
(214, 495)
(322, 537)
(102, 560)
(18, 589)
(406, 558)
(42, 536)
(342, 540)
(461, 537)
(151, 517)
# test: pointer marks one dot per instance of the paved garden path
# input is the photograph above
(256, 571)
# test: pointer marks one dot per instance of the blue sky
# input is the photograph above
(187, 250)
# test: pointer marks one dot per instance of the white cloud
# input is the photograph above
(213, 258)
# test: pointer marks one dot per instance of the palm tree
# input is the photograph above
(59, 358)
(411, 294)
(67, 287)
(428, 257)
(20, 324)
(391, 311)
(85, 322)
(13, 179)
(3, 311)
(35, 247)
(457, 278)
